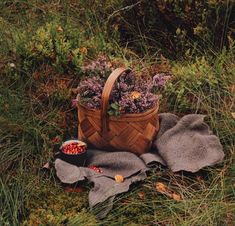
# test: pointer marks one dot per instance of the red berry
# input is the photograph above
(98, 170)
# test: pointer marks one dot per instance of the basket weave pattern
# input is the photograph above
(128, 132)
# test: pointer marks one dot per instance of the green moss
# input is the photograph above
(31, 44)
(50, 204)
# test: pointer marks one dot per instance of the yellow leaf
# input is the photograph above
(176, 197)
(119, 178)
(160, 187)
(83, 50)
(59, 29)
(135, 95)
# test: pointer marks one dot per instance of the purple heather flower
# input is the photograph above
(102, 65)
(159, 80)
(90, 91)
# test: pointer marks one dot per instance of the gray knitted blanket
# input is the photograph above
(182, 144)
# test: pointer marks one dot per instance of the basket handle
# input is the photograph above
(106, 94)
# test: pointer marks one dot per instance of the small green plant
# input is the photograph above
(192, 82)
(114, 109)
(40, 38)
(12, 196)
(50, 42)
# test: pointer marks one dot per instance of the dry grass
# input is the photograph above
(35, 107)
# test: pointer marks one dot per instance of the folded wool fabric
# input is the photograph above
(186, 144)
(126, 164)
(181, 144)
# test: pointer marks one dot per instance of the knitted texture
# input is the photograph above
(187, 143)
(182, 144)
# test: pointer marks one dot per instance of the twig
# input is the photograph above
(129, 7)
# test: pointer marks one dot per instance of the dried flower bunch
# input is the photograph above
(102, 66)
(131, 94)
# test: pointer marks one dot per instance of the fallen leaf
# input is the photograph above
(160, 187)
(119, 178)
(176, 197)
(59, 29)
(83, 50)
(163, 189)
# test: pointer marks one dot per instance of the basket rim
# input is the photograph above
(123, 117)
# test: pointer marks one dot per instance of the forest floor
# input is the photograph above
(43, 47)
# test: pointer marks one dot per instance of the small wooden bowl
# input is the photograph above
(75, 159)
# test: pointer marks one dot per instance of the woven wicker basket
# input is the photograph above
(128, 132)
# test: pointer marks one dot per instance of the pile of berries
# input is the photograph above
(74, 148)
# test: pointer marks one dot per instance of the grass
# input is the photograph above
(35, 95)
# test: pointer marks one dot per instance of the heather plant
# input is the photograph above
(101, 65)
(50, 43)
(177, 27)
(129, 95)
(142, 30)
(90, 91)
